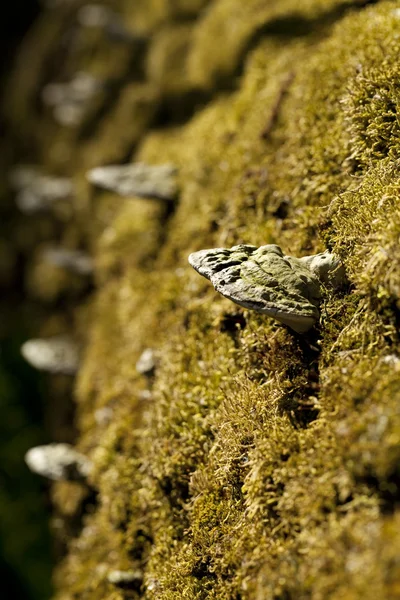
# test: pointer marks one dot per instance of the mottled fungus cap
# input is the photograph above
(265, 280)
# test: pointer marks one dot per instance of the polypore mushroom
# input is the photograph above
(37, 192)
(70, 100)
(137, 179)
(74, 261)
(265, 280)
(122, 578)
(104, 18)
(146, 363)
(59, 462)
(55, 354)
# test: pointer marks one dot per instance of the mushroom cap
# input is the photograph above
(59, 462)
(265, 280)
(147, 362)
(56, 354)
(74, 261)
(137, 179)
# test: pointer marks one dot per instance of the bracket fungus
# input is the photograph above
(59, 462)
(137, 179)
(101, 17)
(37, 192)
(56, 355)
(74, 261)
(121, 578)
(146, 363)
(266, 280)
(70, 100)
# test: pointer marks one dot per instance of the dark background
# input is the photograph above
(25, 547)
(16, 18)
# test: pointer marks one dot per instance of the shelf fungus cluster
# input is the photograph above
(121, 578)
(58, 462)
(36, 192)
(69, 101)
(264, 279)
(55, 354)
(137, 179)
(74, 261)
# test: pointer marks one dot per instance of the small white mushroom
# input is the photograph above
(59, 462)
(37, 192)
(104, 415)
(392, 360)
(265, 280)
(55, 354)
(74, 261)
(102, 17)
(146, 363)
(94, 15)
(70, 100)
(69, 114)
(120, 578)
(83, 87)
(137, 179)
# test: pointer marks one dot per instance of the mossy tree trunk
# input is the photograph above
(256, 463)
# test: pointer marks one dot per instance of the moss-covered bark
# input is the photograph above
(256, 464)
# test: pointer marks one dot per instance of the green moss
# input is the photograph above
(131, 116)
(166, 62)
(242, 26)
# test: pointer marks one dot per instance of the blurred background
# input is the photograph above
(26, 555)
